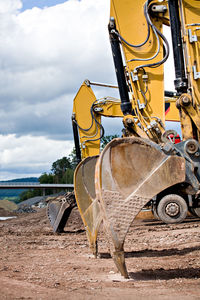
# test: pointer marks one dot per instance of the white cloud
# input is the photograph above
(48, 52)
(29, 155)
(45, 55)
(51, 120)
(7, 6)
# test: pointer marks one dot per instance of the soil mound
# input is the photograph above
(8, 205)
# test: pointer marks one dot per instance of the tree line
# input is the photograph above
(62, 171)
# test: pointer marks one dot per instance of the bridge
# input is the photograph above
(35, 185)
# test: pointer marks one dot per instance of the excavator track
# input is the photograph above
(59, 210)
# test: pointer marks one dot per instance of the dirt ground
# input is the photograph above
(162, 260)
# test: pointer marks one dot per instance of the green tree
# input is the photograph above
(107, 139)
(73, 159)
(59, 168)
(68, 176)
(46, 178)
(29, 194)
(62, 171)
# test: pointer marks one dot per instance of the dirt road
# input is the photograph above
(163, 261)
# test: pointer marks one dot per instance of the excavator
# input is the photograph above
(146, 164)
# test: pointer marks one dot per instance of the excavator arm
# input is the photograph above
(86, 118)
(88, 112)
(141, 79)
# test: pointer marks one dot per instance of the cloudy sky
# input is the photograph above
(47, 49)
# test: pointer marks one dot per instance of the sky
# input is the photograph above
(48, 48)
(29, 4)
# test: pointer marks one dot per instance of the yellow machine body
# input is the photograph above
(129, 17)
(88, 128)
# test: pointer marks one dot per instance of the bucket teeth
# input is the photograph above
(93, 243)
(119, 260)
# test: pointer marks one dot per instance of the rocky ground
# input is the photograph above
(163, 261)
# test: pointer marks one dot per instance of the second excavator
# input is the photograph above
(145, 164)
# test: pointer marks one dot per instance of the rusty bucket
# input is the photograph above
(129, 172)
(84, 187)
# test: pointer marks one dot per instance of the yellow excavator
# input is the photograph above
(145, 164)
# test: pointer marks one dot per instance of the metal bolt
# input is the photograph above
(172, 209)
(191, 146)
(87, 82)
(129, 121)
(185, 100)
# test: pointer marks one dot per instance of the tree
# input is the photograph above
(73, 159)
(29, 194)
(46, 178)
(106, 139)
(68, 176)
(59, 168)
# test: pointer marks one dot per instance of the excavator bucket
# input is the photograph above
(84, 187)
(59, 210)
(130, 172)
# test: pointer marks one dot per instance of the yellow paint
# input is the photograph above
(190, 20)
(131, 24)
(172, 114)
(89, 139)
